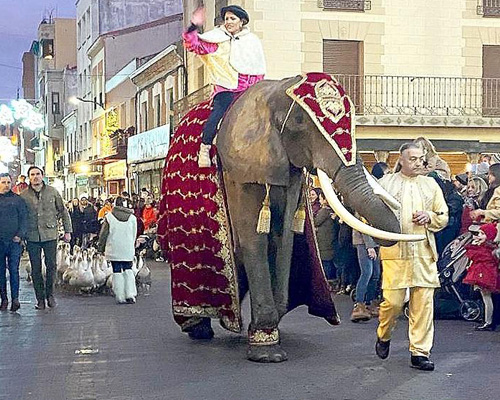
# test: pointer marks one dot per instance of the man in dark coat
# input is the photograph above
(45, 208)
(13, 214)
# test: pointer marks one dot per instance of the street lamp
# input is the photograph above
(75, 100)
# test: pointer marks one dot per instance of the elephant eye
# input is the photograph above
(299, 119)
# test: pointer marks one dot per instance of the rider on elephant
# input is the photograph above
(234, 59)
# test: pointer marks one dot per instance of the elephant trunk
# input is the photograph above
(359, 195)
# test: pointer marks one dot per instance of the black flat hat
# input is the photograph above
(236, 10)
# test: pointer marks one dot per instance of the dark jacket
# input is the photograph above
(13, 216)
(324, 232)
(44, 211)
(89, 222)
(121, 214)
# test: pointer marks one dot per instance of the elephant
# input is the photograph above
(265, 143)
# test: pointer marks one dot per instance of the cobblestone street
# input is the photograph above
(90, 348)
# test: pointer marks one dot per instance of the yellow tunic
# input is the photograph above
(413, 264)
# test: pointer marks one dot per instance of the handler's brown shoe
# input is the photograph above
(4, 305)
(373, 310)
(204, 156)
(360, 313)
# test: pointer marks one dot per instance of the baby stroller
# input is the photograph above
(452, 268)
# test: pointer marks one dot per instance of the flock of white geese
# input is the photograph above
(89, 271)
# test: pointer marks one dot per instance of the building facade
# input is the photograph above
(413, 69)
(110, 35)
(160, 82)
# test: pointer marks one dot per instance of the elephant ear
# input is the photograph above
(249, 139)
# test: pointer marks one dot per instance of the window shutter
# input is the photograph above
(344, 60)
(491, 80)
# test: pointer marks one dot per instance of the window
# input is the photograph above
(47, 48)
(344, 60)
(144, 116)
(157, 103)
(55, 103)
(491, 80)
(170, 109)
(490, 8)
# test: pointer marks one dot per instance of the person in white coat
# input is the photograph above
(117, 242)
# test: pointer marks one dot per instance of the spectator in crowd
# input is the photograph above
(89, 223)
(21, 185)
(127, 201)
(367, 287)
(117, 242)
(455, 205)
(108, 207)
(45, 208)
(76, 222)
(149, 213)
(13, 214)
(380, 169)
(489, 209)
(476, 188)
(346, 259)
(483, 272)
(145, 193)
(412, 266)
(323, 223)
(432, 160)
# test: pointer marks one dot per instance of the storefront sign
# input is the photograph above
(82, 180)
(149, 145)
(115, 171)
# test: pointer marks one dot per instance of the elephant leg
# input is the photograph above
(284, 243)
(244, 203)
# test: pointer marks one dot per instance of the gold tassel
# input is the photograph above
(264, 222)
(299, 219)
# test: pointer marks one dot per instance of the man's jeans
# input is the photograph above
(10, 255)
(366, 289)
(43, 290)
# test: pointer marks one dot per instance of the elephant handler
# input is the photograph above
(412, 265)
(234, 59)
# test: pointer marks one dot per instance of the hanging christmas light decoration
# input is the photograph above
(6, 115)
(22, 112)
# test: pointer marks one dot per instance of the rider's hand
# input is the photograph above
(372, 253)
(198, 17)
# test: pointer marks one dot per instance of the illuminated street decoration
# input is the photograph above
(22, 112)
(6, 115)
(8, 153)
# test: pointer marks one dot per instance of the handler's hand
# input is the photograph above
(67, 237)
(372, 254)
(198, 17)
(421, 218)
(16, 239)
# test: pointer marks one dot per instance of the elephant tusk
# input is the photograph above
(353, 222)
(381, 192)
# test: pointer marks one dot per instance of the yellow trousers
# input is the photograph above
(421, 323)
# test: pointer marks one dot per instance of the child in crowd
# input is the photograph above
(483, 272)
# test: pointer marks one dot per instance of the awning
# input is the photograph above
(147, 166)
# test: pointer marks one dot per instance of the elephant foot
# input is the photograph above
(267, 354)
(202, 330)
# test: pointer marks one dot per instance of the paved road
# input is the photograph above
(139, 353)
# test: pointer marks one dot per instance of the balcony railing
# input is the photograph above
(182, 106)
(345, 5)
(423, 96)
(489, 8)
